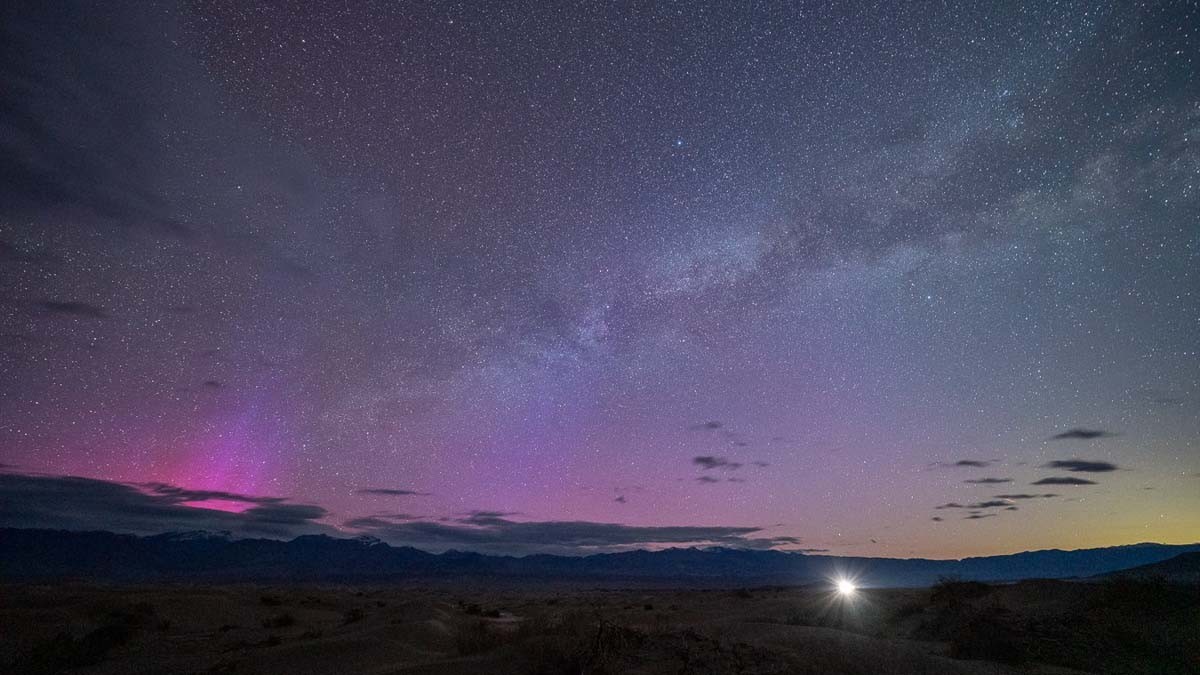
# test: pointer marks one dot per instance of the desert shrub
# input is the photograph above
(353, 615)
(271, 600)
(279, 621)
(492, 614)
(473, 609)
(991, 634)
(744, 594)
(951, 591)
(64, 652)
(648, 607)
(477, 637)
(1128, 591)
(796, 619)
(550, 655)
(906, 610)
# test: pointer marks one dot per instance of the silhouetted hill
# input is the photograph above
(27, 554)
(1181, 569)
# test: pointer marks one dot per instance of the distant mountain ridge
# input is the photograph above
(28, 554)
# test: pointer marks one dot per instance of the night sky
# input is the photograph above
(914, 280)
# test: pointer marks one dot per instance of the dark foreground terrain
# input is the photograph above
(1112, 626)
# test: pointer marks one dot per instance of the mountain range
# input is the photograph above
(32, 555)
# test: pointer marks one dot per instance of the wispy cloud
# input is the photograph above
(1082, 434)
(988, 481)
(1063, 480)
(707, 462)
(391, 492)
(965, 463)
(72, 308)
(1081, 465)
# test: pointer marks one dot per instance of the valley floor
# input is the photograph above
(1032, 627)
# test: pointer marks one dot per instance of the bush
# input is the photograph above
(64, 652)
(950, 591)
(478, 637)
(992, 635)
(279, 621)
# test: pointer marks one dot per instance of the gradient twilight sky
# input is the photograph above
(792, 273)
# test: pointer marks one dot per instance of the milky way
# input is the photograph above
(584, 276)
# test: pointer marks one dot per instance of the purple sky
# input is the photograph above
(769, 272)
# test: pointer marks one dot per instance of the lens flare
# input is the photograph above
(845, 587)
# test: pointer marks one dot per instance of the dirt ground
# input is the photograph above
(329, 629)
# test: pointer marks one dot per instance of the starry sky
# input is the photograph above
(919, 279)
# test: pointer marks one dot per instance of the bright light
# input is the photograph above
(844, 587)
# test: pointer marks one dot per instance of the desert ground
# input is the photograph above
(1118, 626)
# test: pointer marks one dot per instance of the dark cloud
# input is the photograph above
(1081, 465)
(711, 425)
(502, 535)
(285, 514)
(1082, 434)
(707, 462)
(213, 384)
(620, 499)
(179, 494)
(735, 480)
(991, 504)
(77, 133)
(73, 503)
(1023, 495)
(965, 463)
(71, 308)
(391, 492)
(708, 479)
(761, 464)
(483, 517)
(1063, 480)
(988, 481)
(10, 252)
(979, 516)
(937, 519)
(1011, 508)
